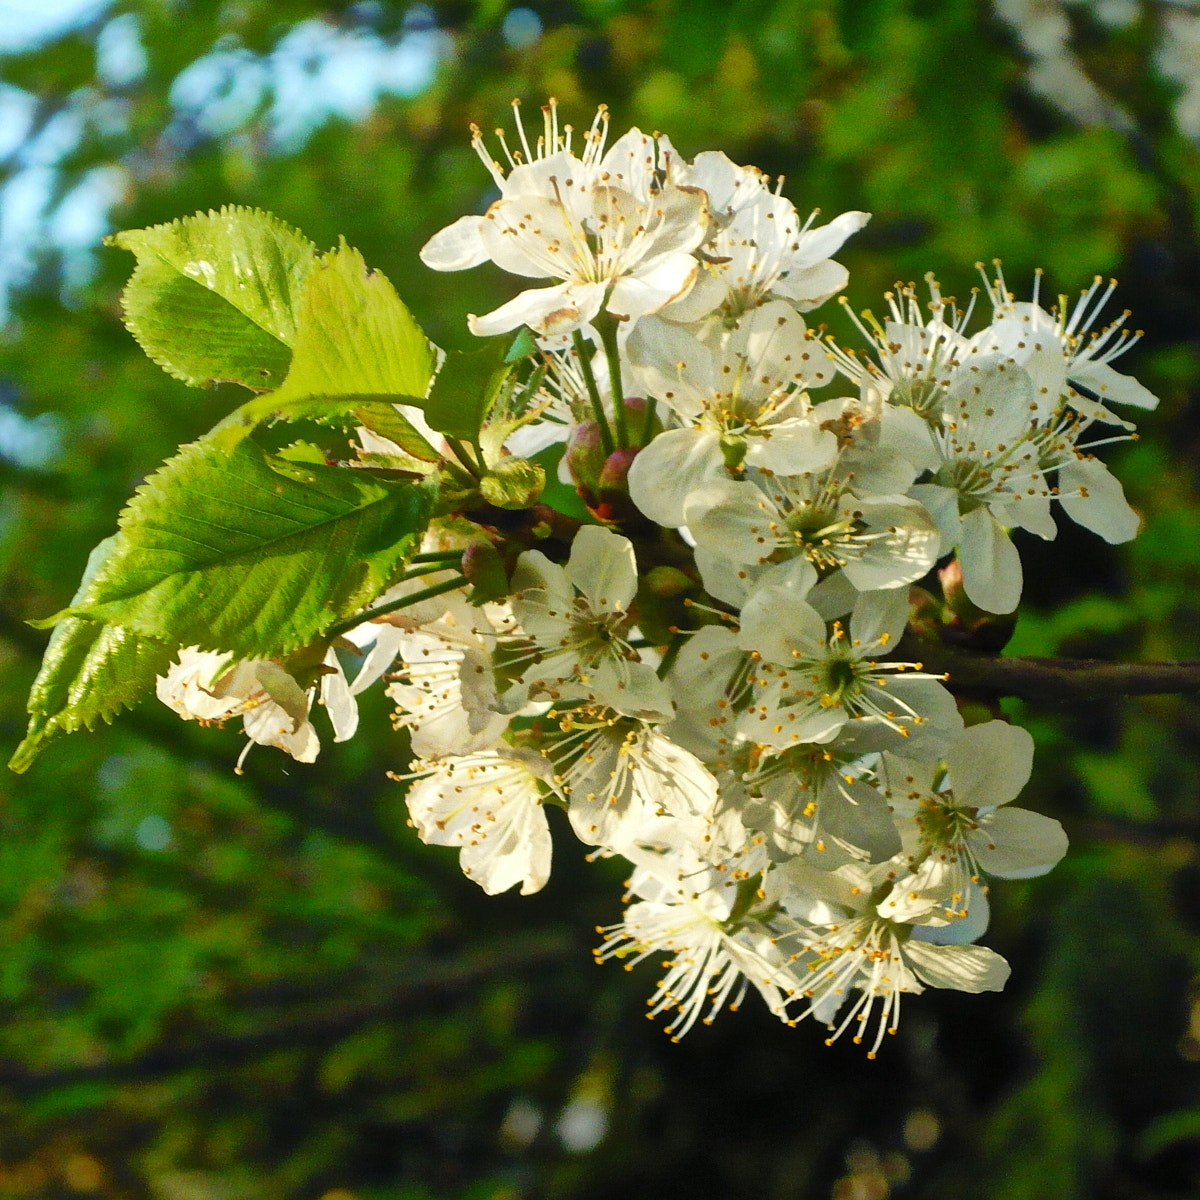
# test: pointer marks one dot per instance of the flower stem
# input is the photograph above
(607, 326)
(437, 556)
(585, 365)
(371, 614)
(648, 420)
(670, 655)
(460, 452)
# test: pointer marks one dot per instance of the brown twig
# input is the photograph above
(1048, 679)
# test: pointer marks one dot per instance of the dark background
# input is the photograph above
(264, 988)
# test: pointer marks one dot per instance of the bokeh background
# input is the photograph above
(263, 988)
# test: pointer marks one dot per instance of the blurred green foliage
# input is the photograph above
(263, 988)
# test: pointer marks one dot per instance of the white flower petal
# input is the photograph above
(908, 434)
(489, 805)
(1014, 843)
(775, 622)
(792, 447)
(339, 701)
(1093, 497)
(826, 240)
(270, 725)
(723, 580)
(669, 364)
(1109, 384)
(706, 295)
(961, 930)
(1031, 513)
(546, 311)
(962, 968)
(654, 286)
(990, 764)
(602, 566)
(879, 616)
(731, 519)
(543, 597)
(991, 566)
(456, 247)
(809, 286)
(666, 472)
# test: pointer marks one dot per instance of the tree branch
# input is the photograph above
(424, 983)
(1048, 679)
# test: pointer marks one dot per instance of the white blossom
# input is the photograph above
(957, 825)
(577, 619)
(715, 952)
(618, 772)
(853, 965)
(812, 680)
(767, 521)
(609, 226)
(210, 686)
(741, 396)
(489, 804)
(445, 691)
(761, 250)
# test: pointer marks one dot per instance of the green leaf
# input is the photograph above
(377, 413)
(214, 296)
(354, 335)
(523, 345)
(465, 388)
(357, 348)
(253, 553)
(302, 452)
(562, 497)
(90, 671)
(387, 422)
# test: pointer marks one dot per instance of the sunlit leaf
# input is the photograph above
(465, 389)
(251, 552)
(214, 296)
(90, 671)
(357, 348)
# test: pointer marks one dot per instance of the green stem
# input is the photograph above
(371, 614)
(607, 325)
(460, 452)
(585, 365)
(436, 556)
(670, 655)
(648, 420)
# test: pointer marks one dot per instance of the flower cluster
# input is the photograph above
(704, 675)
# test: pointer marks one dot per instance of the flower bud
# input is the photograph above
(667, 581)
(483, 566)
(614, 475)
(585, 457)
